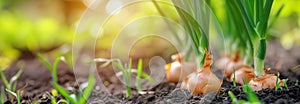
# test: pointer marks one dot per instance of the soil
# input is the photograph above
(36, 82)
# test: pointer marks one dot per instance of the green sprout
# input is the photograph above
(126, 76)
(79, 98)
(2, 95)
(16, 95)
(234, 80)
(277, 82)
(296, 83)
(11, 85)
(126, 72)
(53, 100)
(138, 77)
(251, 96)
(285, 84)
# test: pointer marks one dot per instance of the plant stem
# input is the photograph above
(259, 59)
(139, 74)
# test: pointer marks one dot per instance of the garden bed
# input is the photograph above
(36, 82)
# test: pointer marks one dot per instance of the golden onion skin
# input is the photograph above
(204, 81)
(178, 70)
(243, 74)
(263, 82)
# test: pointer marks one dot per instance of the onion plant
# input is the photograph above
(236, 41)
(195, 18)
(255, 15)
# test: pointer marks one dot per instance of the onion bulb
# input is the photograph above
(178, 69)
(229, 64)
(204, 81)
(243, 74)
(265, 81)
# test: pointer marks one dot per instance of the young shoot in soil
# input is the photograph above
(285, 84)
(251, 96)
(234, 79)
(2, 95)
(11, 86)
(79, 98)
(138, 77)
(127, 72)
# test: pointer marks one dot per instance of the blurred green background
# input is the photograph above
(31, 26)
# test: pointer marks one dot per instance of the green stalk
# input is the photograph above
(237, 37)
(139, 74)
(195, 16)
(126, 77)
(259, 59)
(256, 28)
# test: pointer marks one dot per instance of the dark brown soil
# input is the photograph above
(36, 81)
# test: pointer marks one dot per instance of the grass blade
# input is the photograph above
(45, 61)
(64, 93)
(232, 96)
(147, 77)
(126, 76)
(54, 70)
(87, 91)
(138, 77)
(14, 79)
(2, 95)
(251, 96)
(17, 95)
(4, 80)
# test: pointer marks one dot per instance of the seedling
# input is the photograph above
(11, 85)
(277, 82)
(296, 83)
(126, 76)
(16, 95)
(2, 95)
(53, 100)
(126, 72)
(285, 84)
(79, 98)
(251, 96)
(138, 77)
(234, 82)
